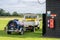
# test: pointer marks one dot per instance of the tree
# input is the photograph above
(15, 14)
(7, 14)
(21, 15)
(40, 15)
(2, 12)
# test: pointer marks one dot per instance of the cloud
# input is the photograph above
(8, 2)
(23, 6)
(29, 0)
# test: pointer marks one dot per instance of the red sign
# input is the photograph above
(53, 15)
(51, 23)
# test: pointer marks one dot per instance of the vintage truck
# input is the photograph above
(31, 21)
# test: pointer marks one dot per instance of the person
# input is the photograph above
(19, 24)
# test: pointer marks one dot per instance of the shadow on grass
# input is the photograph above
(36, 34)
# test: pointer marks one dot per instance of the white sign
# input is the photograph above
(48, 13)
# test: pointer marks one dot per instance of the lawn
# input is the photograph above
(27, 35)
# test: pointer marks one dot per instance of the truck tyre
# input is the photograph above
(38, 28)
(4, 28)
(33, 29)
(8, 32)
(22, 32)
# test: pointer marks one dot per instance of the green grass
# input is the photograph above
(27, 35)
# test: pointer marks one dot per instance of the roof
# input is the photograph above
(30, 14)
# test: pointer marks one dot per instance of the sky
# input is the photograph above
(23, 6)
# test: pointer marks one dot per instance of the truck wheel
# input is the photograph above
(22, 32)
(33, 29)
(4, 28)
(38, 28)
(8, 32)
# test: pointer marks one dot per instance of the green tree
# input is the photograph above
(2, 12)
(7, 14)
(21, 15)
(15, 14)
(40, 15)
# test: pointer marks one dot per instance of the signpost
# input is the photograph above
(52, 21)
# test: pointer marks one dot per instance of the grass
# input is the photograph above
(27, 35)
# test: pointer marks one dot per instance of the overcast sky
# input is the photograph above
(23, 6)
